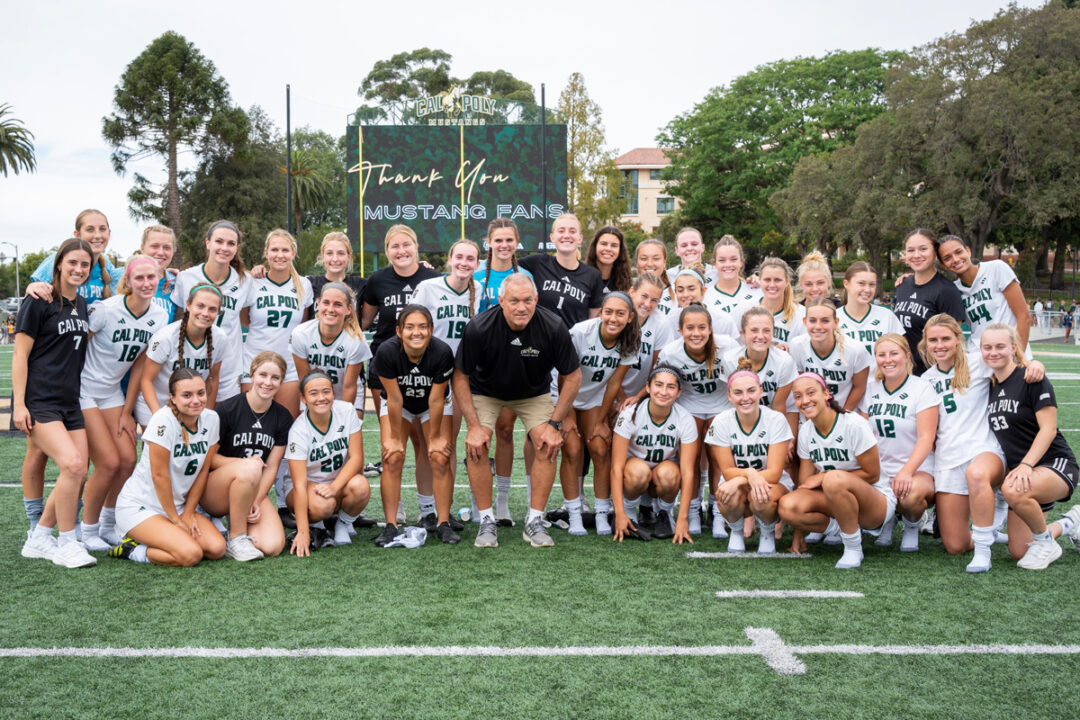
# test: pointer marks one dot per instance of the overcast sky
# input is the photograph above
(643, 62)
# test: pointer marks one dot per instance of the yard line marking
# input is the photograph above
(1063, 375)
(778, 656)
(784, 594)
(694, 555)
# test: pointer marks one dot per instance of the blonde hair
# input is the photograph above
(106, 281)
(730, 241)
(838, 334)
(899, 341)
(336, 236)
(665, 283)
(124, 286)
(754, 312)
(814, 262)
(352, 326)
(1014, 340)
(472, 282)
(402, 230)
(790, 305)
(298, 283)
(268, 356)
(961, 374)
(577, 222)
(146, 233)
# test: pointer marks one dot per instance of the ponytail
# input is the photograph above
(789, 303)
(710, 344)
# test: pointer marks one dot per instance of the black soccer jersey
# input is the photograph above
(511, 365)
(55, 365)
(414, 379)
(570, 294)
(1012, 408)
(390, 292)
(245, 434)
(355, 282)
(915, 304)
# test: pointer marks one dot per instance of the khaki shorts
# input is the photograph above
(532, 411)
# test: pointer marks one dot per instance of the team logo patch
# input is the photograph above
(619, 422)
(161, 431)
(1044, 396)
(530, 352)
(292, 447)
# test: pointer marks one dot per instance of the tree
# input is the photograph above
(311, 185)
(16, 144)
(593, 183)
(740, 144)
(324, 156)
(169, 98)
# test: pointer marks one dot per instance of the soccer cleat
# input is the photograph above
(428, 522)
(536, 535)
(242, 549)
(719, 526)
(851, 559)
(662, 527)
(554, 516)
(389, 532)
(320, 538)
(504, 520)
(96, 543)
(1074, 514)
(446, 534)
(1039, 555)
(736, 542)
(363, 521)
(123, 550)
(73, 555)
(638, 532)
(885, 538)
(39, 548)
(603, 523)
(487, 537)
(373, 469)
(928, 519)
(455, 524)
(645, 515)
(288, 520)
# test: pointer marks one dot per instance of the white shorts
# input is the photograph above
(361, 389)
(884, 487)
(953, 480)
(131, 516)
(785, 480)
(102, 401)
(287, 483)
(142, 412)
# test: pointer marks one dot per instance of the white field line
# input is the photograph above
(694, 555)
(786, 594)
(764, 642)
(1063, 375)
(462, 484)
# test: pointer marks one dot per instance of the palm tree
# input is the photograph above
(310, 185)
(16, 144)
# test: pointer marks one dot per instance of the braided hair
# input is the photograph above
(498, 224)
(208, 338)
(180, 374)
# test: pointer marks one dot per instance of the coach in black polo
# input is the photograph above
(505, 360)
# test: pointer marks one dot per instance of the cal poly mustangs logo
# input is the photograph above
(530, 352)
(161, 431)
(292, 447)
(619, 422)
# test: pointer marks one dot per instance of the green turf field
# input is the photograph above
(349, 624)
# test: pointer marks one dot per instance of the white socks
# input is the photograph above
(630, 507)
(107, 526)
(139, 555)
(573, 507)
(603, 507)
(502, 496)
(427, 504)
(482, 515)
(736, 542)
(853, 554)
(343, 530)
(909, 542)
(767, 537)
(983, 537)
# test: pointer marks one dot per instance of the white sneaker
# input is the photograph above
(73, 555)
(1074, 514)
(1039, 555)
(719, 526)
(603, 525)
(39, 548)
(885, 538)
(576, 526)
(95, 543)
(695, 522)
(980, 562)
(736, 543)
(832, 539)
(852, 558)
(766, 540)
(928, 517)
(110, 537)
(242, 549)
(813, 538)
(909, 541)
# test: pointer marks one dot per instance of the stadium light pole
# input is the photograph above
(18, 291)
(543, 165)
(288, 160)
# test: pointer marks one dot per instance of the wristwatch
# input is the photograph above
(557, 424)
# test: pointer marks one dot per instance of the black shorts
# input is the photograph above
(1065, 468)
(373, 383)
(71, 417)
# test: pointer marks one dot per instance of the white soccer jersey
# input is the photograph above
(778, 371)
(704, 394)
(234, 296)
(324, 453)
(711, 275)
(963, 428)
(334, 358)
(984, 299)
(655, 334)
(750, 449)
(164, 350)
(722, 324)
(185, 460)
(892, 417)
(275, 311)
(840, 449)
(449, 309)
(732, 304)
(598, 362)
(651, 442)
(785, 332)
(118, 338)
(865, 331)
(837, 368)
(667, 303)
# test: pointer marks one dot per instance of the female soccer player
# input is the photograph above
(1042, 467)
(823, 350)
(120, 331)
(332, 342)
(156, 509)
(656, 332)
(699, 353)
(326, 456)
(749, 444)
(567, 287)
(278, 303)
(690, 289)
(778, 297)
(654, 454)
(159, 242)
(729, 293)
(414, 369)
(50, 348)
(253, 434)
(224, 270)
(927, 293)
(336, 258)
(690, 246)
(839, 490)
(903, 412)
(606, 346)
(502, 242)
(650, 256)
(188, 342)
(990, 291)
(607, 253)
(860, 319)
(814, 277)
(774, 368)
(391, 288)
